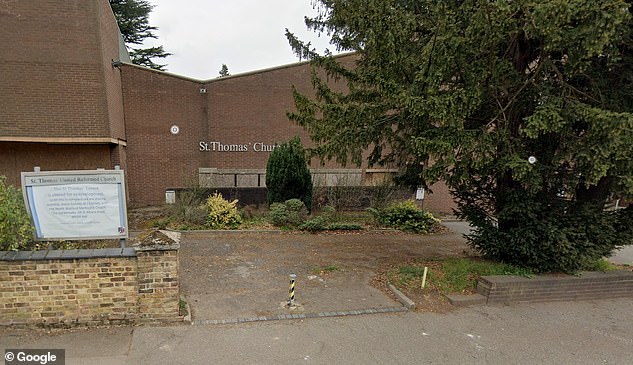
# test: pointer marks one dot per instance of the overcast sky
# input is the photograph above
(246, 35)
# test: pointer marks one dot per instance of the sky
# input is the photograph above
(246, 35)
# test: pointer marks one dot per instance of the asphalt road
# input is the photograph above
(596, 332)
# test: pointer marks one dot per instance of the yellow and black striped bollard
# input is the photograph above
(291, 291)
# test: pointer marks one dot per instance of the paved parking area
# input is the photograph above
(243, 275)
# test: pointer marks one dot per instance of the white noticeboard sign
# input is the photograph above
(76, 205)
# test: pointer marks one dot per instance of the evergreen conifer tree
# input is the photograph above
(524, 108)
(287, 174)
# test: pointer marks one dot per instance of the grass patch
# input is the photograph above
(325, 269)
(603, 265)
(455, 275)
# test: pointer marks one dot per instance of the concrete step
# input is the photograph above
(461, 300)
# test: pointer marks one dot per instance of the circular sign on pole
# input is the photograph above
(174, 129)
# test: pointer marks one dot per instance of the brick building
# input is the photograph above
(65, 105)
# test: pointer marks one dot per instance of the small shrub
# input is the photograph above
(341, 196)
(198, 216)
(194, 217)
(278, 214)
(222, 213)
(161, 223)
(383, 193)
(405, 216)
(329, 213)
(375, 214)
(292, 213)
(297, 212)
(315, 224)
(190, 209)
(16, 230)
(182, 308)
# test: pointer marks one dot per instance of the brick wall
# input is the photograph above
(245, 109)
(587, 286)
(439, 200)
(108, 32)
(57, 82)
(16, 157)
(158, 285)
(156, 158)
(55, 69)
(79, 287)
(252, 108)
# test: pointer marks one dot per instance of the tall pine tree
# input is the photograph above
(133, 19)
(522, 107)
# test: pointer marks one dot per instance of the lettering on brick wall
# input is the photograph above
(216, 146)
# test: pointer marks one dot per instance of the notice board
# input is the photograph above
(76, 205)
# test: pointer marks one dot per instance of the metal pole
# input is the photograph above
(291, 291)
(426, 269)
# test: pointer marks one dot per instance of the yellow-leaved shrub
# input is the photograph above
(222, 213)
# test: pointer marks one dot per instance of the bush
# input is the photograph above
(329, 213)
(190, 209)
(405, 216)
(297, 211)
(315, 224)
(287, 174)
(291, 213)
(278, 214)
(16, 230)
(222, 213)
(321, 223)
(550, 236)
(161, 223)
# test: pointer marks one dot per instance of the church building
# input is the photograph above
(70, 99)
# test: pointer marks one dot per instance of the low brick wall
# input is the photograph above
(81, 287)
(545, 288)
